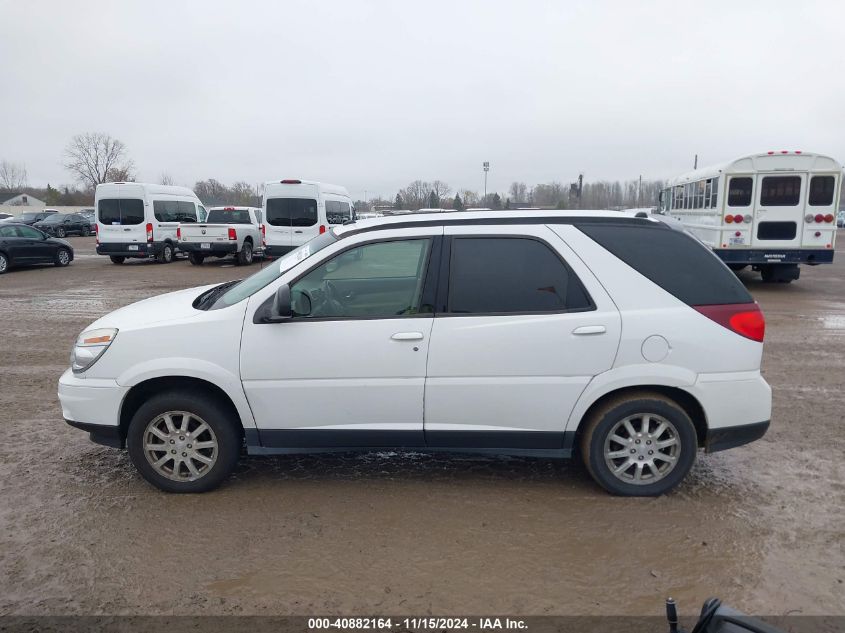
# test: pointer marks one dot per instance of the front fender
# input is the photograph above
(628, 376)
(192, 368)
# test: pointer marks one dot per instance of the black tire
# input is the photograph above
(211, 411)
(604, 421)
(245, 255)
(737, 267)
(60, 232)
(4, 263)
(62, 257)
(166, 254)
(117, 259)
(196, 259)
(86, 231)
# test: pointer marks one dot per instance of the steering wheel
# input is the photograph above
(332, 299)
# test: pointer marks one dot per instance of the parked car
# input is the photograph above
(295, 211)
(140, 220)
(6, 216)
(90, 215)
(32, 217)
(21, 245)
(227, 231)
(551, 334)
(63, 224)
(840, 219)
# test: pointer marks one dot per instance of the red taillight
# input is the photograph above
(819, 217)
(745, 319)
(291, 181)
(322, 229)
(738, 219)
(149, 232)
(729, 219)
(228, 208)
(828, 217)
(178, 232)
(233, 235)
(263, 235)
(97, 234)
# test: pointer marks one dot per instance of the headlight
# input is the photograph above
(89, 347)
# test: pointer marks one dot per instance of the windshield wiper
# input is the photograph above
(208, 298)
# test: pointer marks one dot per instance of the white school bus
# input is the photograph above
(771, 211)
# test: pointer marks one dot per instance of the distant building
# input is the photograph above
(15, 199)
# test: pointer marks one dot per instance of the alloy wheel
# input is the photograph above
(642, 449)
(180, 446)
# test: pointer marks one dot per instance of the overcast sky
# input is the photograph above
(373, 95)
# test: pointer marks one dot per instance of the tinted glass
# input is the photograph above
(30, 233)
(510, 275)
(229, 216)
(673, 260)
(166, 210)
(54, 218)
(121, 211)
(777, 230)
(28, 216)
(821, 190)
(291, 211)
(384, 279)
(780, 191)
(739, 192)
(8, 231)
(337, 212)
(187, 212)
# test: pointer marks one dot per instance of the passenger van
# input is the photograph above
(140, 220)
(297, 211)
(618, 340)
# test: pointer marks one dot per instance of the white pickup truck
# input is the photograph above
(226, 231)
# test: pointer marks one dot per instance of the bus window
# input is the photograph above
(739, 192)
(821, 191)
(714, 192)
(780, 191)
(707, 186)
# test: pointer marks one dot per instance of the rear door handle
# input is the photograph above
(589, 329)
(407, 336)
(297, 231)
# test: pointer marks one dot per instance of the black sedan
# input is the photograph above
(21, 245)
(34, 216)
(62, 224)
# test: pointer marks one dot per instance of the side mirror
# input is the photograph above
(280, 309)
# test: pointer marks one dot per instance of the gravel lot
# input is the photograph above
(762, 526)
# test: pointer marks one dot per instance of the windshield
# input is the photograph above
(28, 216)
(259, 280)
(53, 218)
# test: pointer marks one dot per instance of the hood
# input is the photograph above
(56, 240)
(173, 306)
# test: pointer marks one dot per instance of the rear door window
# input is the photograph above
(673, 260)
(121, 211)
(166, 210)
(739, 192)
(821, 191)
(291, 211)
(780, 191)
(509, 275)
(186, 211)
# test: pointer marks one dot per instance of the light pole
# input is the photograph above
(486, 166)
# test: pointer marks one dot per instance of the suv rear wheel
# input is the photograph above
(639, 445)
(183, 441)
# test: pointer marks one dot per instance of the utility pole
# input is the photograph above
(639, 192)
(695, 164)
(486, 166)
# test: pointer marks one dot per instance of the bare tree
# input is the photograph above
(12, 176)
(94, 157)
(440, 189)
(518, 192)
(165, 179)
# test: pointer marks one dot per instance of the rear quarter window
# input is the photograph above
(676, 262)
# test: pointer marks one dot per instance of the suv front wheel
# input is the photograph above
(183, 442)
(639, 445)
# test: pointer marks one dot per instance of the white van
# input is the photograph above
(140, 220)
(296, 211)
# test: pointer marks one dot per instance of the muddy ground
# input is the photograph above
(762, 526)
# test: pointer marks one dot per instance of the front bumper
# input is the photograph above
(121, 249)
(93, 405)
(215, 248)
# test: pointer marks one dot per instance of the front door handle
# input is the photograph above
(589, 329)
(297, 231)
(407, 336)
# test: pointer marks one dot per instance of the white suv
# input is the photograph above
(522, 333)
